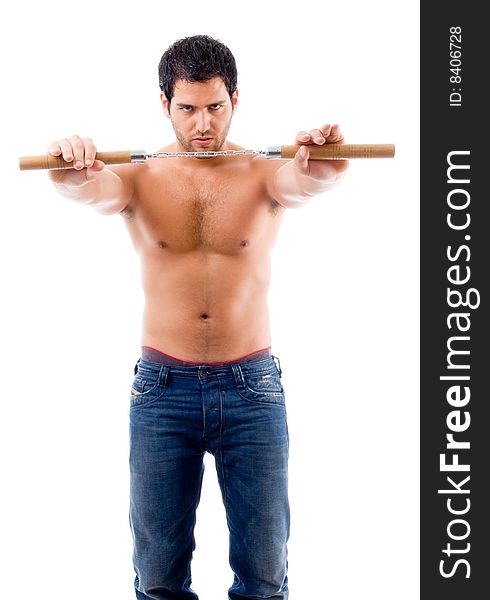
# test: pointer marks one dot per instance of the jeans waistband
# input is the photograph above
(156, 358)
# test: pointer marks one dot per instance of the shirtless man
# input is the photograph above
(206, 379)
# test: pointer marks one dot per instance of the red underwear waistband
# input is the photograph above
(154, 355)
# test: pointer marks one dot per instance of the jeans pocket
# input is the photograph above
(263, 387)
(143, 389)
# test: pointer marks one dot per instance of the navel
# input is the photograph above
(244, 243)
(162, 244)
(203, 316)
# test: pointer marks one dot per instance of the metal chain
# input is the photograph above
(207, 153)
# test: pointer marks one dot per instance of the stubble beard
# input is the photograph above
(186, 143)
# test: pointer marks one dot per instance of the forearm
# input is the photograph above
(292, 189)
(104, 191)
(85, 193)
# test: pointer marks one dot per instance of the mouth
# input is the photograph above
(203, 141)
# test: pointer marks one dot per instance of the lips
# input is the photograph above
(203, 141)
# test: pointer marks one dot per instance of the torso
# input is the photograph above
(204, 234)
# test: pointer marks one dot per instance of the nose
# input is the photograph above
(203, 121)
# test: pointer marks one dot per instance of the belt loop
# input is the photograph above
(278, 364)
(238, 374)
(162, 376)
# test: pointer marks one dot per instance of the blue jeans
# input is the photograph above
(237, 413)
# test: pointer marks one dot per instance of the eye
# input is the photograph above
(186, 108)
(216, 106)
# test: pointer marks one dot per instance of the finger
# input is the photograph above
(301, 160)
(78, 152)
(54, 149)
(66, 149)
(326, 130)
(335, 134)
(90, 151)
(303, 137)
(317, 136)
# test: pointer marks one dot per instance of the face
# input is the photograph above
(201, 113)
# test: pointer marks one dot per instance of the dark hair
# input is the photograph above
(196, 58)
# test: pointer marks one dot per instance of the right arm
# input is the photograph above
(108, 190)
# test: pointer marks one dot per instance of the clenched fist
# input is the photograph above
(80, 151)
(321, 170)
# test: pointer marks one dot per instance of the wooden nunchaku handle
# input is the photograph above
(342, 151)
(325, 152)
(29, 163)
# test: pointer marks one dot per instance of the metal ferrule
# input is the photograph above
(273, 152)
(138, 156)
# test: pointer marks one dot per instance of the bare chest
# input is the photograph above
(223, 213)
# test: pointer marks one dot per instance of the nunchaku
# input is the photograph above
(324, 152)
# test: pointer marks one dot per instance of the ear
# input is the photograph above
(165, 104)
(234, 100)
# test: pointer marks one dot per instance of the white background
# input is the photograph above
(343, 297)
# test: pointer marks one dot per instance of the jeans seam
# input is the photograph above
(222, 418)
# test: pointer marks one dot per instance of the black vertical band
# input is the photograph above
(455, 331)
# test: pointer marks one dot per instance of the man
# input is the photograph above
(206, 379)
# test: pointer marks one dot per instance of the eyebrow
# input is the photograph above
(212, 103)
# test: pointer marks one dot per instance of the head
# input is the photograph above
(198, 82)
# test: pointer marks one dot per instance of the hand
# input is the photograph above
(321, 170)
(80, 151)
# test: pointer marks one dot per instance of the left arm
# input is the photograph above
(298, 180)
